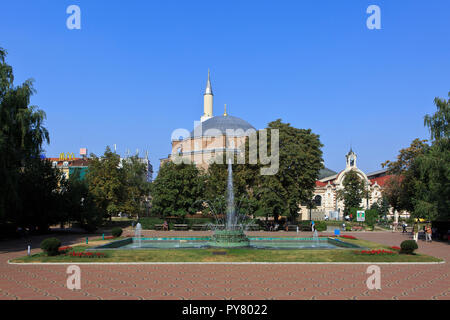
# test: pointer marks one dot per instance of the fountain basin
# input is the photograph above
(229, 239)
(275, 243)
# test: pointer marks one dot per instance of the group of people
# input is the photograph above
(428, 231)
(273, 226)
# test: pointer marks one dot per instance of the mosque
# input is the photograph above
(217, 135)
(213, 135)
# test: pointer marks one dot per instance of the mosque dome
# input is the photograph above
(220, 124)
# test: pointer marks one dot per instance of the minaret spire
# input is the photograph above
(208, 98)
(225, 111)
(208, 84)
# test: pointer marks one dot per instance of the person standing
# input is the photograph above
(429, 233)
(416, 231)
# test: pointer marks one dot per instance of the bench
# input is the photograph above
(304, 228)
(292, 227)
(180, 227)
(158, 227)
(253, 227)
(198, 227)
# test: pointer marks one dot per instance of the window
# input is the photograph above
(318, 201)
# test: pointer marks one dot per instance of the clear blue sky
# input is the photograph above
(137, 70)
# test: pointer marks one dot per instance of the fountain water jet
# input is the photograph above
(138, 234)
(233, 235)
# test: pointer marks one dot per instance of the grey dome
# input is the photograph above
(219, 125)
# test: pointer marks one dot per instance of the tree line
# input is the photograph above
(33, 194)
(420, 184)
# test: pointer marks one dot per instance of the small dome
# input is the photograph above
(219, 126)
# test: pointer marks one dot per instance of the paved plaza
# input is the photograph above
(227, 281)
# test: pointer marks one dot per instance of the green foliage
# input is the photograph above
(382, 207)
(408, 246)
(438, 123)
(353, 191)
(51, 246)
(79, 205)
(300, 160)
(105, 180)
(422, 184)
(177, 190)
(24, 178)
(116, 232)
(371, 217)
(320, 225)
(136, 186)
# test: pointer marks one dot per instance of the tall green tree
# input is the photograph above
(438, 123)
(353, 191)
(137, 187)
(22, 135)
(280, 194)
(422, 182)
(79, 205)
(41, 200)
(177, 190)
(106, 181)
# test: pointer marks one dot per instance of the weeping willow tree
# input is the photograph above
(22, 135)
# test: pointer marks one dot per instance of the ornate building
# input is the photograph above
(325, 193)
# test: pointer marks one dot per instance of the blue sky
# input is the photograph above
(137, 70)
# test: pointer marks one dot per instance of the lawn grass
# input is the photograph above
(236, 255)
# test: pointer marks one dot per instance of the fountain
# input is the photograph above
(138, 235)
(233, 233)
(228, 233)
(316, 237)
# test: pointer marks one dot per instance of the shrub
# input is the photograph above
(320, 225)
(116, 232)
(408, 246)
(51, 246)
(371, 217)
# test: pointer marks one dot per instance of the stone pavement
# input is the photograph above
(222, 281)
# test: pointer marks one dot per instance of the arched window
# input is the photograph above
(318, 201)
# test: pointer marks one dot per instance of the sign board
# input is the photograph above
(360, 216)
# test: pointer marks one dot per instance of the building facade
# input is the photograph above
(327, 204)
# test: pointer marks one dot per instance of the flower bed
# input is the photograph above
(396, 248)
(64, 249)
(374, 252)
(86, 254)
(348, 237)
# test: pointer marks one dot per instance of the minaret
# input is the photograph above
(207, 101)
